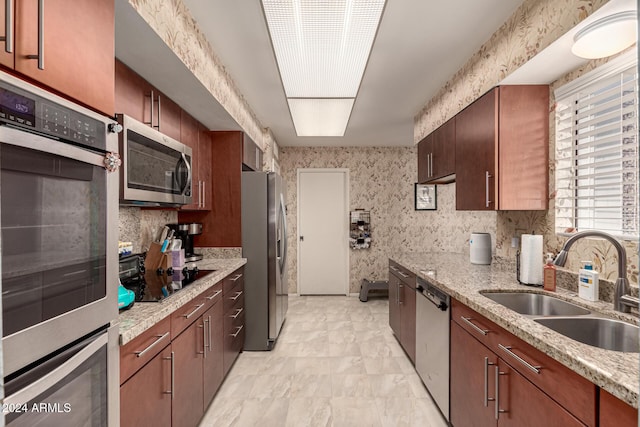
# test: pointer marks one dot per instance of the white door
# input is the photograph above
(323, 219)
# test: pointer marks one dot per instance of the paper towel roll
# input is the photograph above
(531, 260)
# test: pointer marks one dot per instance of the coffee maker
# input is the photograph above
(185, 232)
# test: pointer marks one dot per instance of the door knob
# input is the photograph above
(302, 238)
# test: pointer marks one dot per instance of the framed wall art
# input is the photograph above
(425, 197)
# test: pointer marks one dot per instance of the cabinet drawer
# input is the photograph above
(403, 274)
(232, 297)
(575, 393)
(186, 315)
(233, 280)
(136, 353)
(212, 295)
(234, 317)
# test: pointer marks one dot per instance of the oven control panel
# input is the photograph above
(32, 112)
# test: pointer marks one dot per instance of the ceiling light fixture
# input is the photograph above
(322, 49)
(606, 36)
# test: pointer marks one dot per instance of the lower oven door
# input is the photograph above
(75, 387)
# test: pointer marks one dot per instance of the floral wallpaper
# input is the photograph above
(382, 181)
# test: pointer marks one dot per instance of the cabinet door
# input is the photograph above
(188, 348)
(616, 413)
(233, 327)
(408, 320)
(475, 158)
(394, 308)
(470, 388)
(145, 399)
(132, 94)
(189, 137)
(204, 166)
(424, 159)
(169, 115)
(526, 405)
(78, 49)
(6, 58)
(443, 160)
(213, 368)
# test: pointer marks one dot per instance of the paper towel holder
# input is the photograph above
(518, 272)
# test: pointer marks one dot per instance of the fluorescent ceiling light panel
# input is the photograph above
(320, 117)
(322, 46)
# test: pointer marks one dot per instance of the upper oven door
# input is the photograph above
(58, 220)
(156, 169)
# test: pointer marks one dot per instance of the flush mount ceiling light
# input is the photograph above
(322, 49)
(606, 36)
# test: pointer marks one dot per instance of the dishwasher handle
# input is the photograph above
(433, 299)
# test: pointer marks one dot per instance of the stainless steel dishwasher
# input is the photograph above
(432, 342)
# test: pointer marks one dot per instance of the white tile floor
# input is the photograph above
(336, 363)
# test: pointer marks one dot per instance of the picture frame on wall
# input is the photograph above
(425, 197)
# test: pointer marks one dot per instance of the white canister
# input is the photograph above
(480, 248)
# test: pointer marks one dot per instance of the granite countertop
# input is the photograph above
(143, 315)
(616, 372)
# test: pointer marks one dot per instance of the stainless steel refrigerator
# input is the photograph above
(264, 244)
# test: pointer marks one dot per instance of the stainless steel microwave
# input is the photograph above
(156, 169)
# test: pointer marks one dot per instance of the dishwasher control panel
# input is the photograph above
(433, 294)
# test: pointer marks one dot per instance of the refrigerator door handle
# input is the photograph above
(283, 241)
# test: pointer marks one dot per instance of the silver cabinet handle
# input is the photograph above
(213, 296)
(487, 399)
(535, 369)
(468, 320)
(8, 26)
(173, 374)
(40, 55)
(236, 296)
(403, 275)
(498, 410)
(153, 344)
(430, 165)
(209, 332)
(150, 122)
(237, 276)
(204, 340)
(394, 268)
(159, 113)
(486, 186)
(198, 307)
(238, 311)
(238, 331)
(400, 287)
(204, 194)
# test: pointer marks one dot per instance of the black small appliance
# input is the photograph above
(185, 232)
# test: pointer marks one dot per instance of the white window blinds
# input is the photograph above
(597, 151)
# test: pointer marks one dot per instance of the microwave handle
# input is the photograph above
(184, 187)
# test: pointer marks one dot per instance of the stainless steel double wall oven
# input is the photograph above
(59, 231)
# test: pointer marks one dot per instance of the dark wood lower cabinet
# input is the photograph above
(475, 392)
(145, 399)
(188, 348)
(233, 324)
(616, 413)
(402, 307)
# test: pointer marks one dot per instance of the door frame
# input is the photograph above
(345, 172)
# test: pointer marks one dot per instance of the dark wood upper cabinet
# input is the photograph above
(502, 150)
(436, 155)
(132, 94)
(222, 225)
(77, 51)
(194, 135)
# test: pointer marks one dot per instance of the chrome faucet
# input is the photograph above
(622, 301)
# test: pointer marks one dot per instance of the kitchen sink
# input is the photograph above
(604, 333)
(535, 304)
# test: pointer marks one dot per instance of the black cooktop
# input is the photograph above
(154, 288)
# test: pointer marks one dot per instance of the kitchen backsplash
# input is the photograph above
(141, 226)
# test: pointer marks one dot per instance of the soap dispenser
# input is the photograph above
(588, 282)
(549, 274)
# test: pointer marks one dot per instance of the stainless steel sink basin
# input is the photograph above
(535, 304)
(608, 334)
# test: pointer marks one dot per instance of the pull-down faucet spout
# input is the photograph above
(621, 300)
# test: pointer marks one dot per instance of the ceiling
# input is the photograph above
(419, 46)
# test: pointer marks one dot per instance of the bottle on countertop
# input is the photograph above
(549, 274)
(588, 282)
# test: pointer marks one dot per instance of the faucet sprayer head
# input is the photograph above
(561, 259)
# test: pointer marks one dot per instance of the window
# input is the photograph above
(597, 151)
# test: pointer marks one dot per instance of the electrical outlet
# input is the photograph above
(515, 242)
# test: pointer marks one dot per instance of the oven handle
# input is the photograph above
(38, 387)
(26, 139)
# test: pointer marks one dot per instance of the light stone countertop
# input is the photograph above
(143, 315)
(616, 372)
